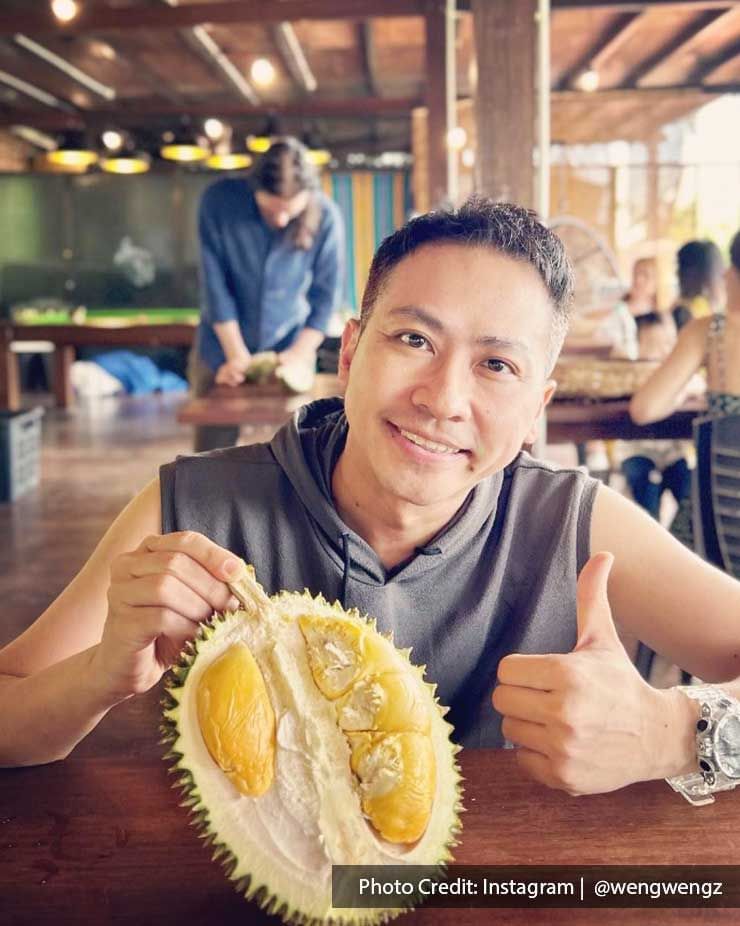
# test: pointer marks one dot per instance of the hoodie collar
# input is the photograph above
(308, 447)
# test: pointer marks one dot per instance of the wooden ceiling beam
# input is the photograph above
(366, 42)
(706, 68)
(150, 113)
(608, 42)
(293, 57)
(648, 95)
(196, 14)
(642, 5)
(674, 46)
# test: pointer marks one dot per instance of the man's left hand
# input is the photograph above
(585, 721)
(298, 356)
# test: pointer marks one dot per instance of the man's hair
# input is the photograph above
(285, 170)
(481, 222)
(698, 262)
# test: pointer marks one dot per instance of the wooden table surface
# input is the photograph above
(100, 838)
(568, 420)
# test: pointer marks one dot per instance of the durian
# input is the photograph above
(303, 738)
(265, 369)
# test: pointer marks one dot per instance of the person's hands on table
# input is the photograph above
(233, 371)
(298, 356)
(158, 596)
(585, 721)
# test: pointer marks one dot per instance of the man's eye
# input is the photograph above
(413, 340)
(498, 366)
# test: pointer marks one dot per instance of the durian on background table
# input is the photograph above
(100, 839)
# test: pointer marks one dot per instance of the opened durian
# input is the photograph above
(265, 368)
(305, 739)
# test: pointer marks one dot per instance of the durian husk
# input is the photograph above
(265, 369)
(265, 885)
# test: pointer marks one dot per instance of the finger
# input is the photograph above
(540, 672)
(215, 559)
(144, 625)
(532, 736)
(593, 612)
(163, 591)
(523, 703)
(536, 766)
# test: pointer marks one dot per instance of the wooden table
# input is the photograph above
(568, 421)
(66, 338)
(575, 421)
(100, 838)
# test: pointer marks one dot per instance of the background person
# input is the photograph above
(700, 270)
(272, 258)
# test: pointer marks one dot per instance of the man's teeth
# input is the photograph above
(427, 444)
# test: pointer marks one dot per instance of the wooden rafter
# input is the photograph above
(199, 41)
(705, 22)
(126, 52)
(620, 6)
(608, 42)
(366, 43)
(706, 68)
(195, 14)
(293, 57)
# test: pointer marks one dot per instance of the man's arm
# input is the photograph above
(110, 634)
(325, 292)
(666, 596)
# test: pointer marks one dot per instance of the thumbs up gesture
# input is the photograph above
(585, 721)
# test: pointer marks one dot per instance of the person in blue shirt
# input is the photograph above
(272, 248)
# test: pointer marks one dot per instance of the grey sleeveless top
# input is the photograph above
(499, 578)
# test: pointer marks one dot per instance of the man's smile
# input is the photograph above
(427, 445)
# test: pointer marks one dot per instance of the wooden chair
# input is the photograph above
(716, 492)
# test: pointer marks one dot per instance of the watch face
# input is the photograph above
(727, 745)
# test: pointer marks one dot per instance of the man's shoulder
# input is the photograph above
(227, 192)
(535, 469)
(331, 214)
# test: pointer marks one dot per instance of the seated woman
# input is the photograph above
(712, 342)
(699, 267)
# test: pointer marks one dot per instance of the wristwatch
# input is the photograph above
(717, 746)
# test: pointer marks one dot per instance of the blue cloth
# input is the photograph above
(254, 274)
(138, 374)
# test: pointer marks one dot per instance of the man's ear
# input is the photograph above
(548, 392)
(350, 337)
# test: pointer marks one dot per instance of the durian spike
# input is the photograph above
(250, 593)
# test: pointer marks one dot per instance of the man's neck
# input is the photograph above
(394, 530)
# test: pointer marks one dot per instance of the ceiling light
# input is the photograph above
(184, 147)
(65, 10)
(112, 140)
(318, 154)
(456, 138)
(133, 162)
(72, 152)
(468, 157)
(588, 80)
(228, 161)
(213, 128)
(102, 50)
(263, 140)
(263, 72)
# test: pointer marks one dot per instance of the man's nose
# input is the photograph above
(446, 389)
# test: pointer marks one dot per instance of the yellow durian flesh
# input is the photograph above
(397, 782)
(340, 651)
(237, 720)
(389, 702)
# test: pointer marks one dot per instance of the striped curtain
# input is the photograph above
(373, 204)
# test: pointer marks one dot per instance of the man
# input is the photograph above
(271, 272)
(412, 501)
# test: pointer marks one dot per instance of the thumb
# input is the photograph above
(593, 612)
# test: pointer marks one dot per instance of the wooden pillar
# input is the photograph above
(506, 43)
(436, 101)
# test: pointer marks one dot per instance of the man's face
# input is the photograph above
(449, 376)
(278, 211)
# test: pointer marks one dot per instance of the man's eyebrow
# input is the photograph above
(416, 313)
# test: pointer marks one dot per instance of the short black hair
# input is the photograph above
(698, 262)
(480, 222)
(285, 169)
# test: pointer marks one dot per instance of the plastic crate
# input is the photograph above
(20, 452)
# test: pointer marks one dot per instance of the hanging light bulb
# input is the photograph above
(224, 157)
(457, 138)
(112, 140)
(183, 147)
(588, 80)
(262, 141)
(262, 72)
(213, 128)
(65, 10)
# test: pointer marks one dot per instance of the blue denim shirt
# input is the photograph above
(254, 274)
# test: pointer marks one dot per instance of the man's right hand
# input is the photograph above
(158, 596)
(233, 371)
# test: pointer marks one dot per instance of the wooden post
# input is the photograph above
(436, 101)
(505, 41)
